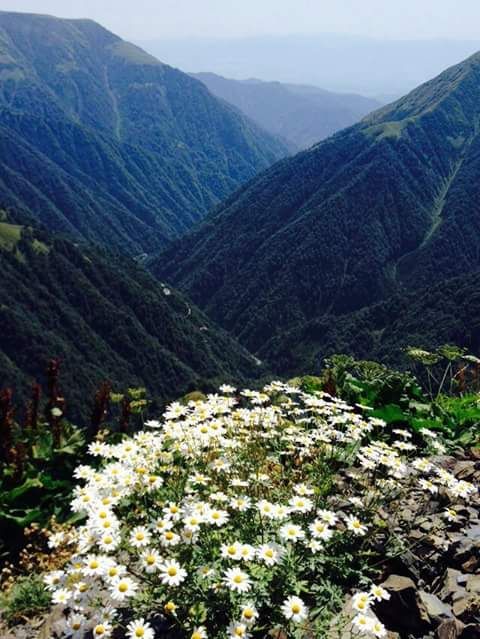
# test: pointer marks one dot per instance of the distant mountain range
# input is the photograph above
(388, 206)
(105, 318)
(102, 141)
(301, 114)
(378, 68)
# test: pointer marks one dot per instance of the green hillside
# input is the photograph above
(389, 205)
(105, 318)
(103, 141)
(448, 312)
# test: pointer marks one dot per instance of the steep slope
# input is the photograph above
(106, 318)
(448, 312)
(101, 140)
(390, 203)
(303, 115)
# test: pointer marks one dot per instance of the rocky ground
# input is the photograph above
(435, 583)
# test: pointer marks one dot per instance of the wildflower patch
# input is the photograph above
(242, 515)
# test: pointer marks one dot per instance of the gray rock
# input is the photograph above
(449, 629)
(473, 583)
(452, 582)
(405, 612)
(436, 609)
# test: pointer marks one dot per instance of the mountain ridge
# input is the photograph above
(301, 114)
(149, 148)
(320, 234)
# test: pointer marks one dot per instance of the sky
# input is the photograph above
(153, 19)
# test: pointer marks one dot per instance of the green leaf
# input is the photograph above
(391, 413)
(15, 493)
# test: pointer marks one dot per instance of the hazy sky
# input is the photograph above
(146, 19)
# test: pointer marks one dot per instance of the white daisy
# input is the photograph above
(237, 580)
(294, 609)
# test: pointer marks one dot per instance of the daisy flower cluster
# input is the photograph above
(365, 621)
(218, 519)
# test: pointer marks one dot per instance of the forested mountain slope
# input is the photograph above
(448, 312)
(301, 114)
(106, 319)
(101, 140)
(390, 204)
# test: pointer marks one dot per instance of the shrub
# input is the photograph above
(240, 516)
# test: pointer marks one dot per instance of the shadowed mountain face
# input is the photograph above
(448, 312)
(301, 114)
(101, 140)
(390, 204)
(105, 318)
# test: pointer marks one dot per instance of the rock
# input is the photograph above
(464, 606)
(473, 583)
(436, 609)
(451, 581)
(405, 612)
(472, 564)
(472, 631)
(449, 629)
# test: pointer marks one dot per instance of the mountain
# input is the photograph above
(300, 114)
(338, 62)
(102, 141)
(448, 312)
(106, 318)
(389, 205)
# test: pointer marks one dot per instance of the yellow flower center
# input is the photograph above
(139, 632)
(269, 553)
(172, 571)
(93, 564)
(100, 630)
(122, 586)
(248, 613)
(150, 559)
(169, 535)
(296, 608)
(238, 579)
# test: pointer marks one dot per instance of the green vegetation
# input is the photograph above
(105, 318)
(447, 312)
(26, 599)
(100, 140)
(448, 400)
(9, 235)
(288, 262)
